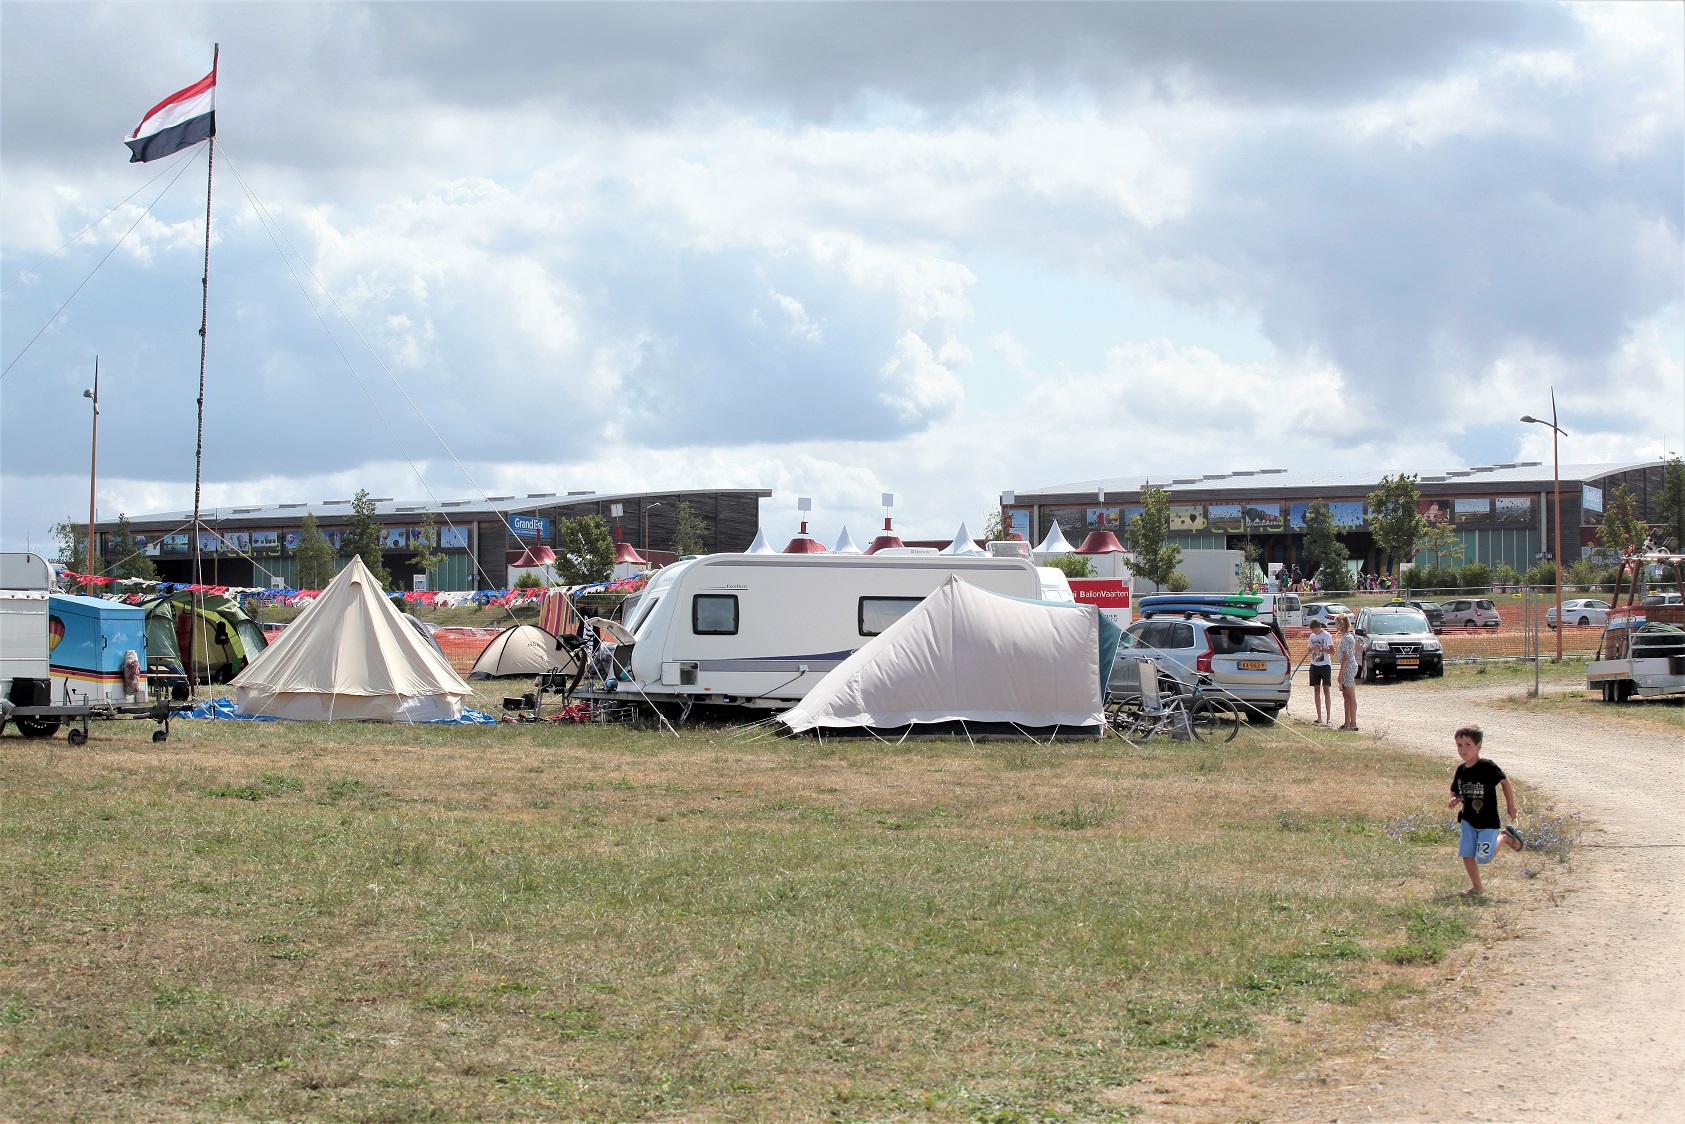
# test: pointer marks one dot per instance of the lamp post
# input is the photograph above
(1556, 491)
(647, 510)
(93, 467)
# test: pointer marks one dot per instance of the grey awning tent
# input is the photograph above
(968, 662)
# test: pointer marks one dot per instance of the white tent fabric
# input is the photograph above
(524, 649)
(760, 545)
(845, 544)
(351, 657)
(962, 543)
(1054, 543)
(965, 654)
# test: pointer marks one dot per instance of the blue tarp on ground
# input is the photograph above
(223, 710)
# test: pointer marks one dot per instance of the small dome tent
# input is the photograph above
(351, 657)
(525, 650)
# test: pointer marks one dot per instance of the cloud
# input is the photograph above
(736, 240)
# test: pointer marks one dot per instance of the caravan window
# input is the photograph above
(878, 613)
(714, 614)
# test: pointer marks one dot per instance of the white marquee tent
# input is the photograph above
(967, 655)
(351, 657)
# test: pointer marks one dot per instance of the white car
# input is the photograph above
(1583, 612)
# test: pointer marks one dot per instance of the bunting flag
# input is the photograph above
(183, 119)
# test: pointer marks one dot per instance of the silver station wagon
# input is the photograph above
(1240, 659)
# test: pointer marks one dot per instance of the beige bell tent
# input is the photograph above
(351, 657)
(969, 662)
(524, 649)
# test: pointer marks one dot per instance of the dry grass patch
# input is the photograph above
(365, 923)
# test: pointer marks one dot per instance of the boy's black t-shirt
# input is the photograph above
(1477, 785)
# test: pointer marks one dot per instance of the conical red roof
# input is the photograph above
(1100, 542)
(625, 553)
(804, 544)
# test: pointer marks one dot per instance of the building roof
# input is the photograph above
(1482, 478)
(391, 508)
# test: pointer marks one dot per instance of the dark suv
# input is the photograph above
(1397, 641)
(1430, 609)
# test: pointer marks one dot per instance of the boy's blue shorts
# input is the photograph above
(1478, 843)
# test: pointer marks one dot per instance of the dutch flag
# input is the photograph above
(184, 118)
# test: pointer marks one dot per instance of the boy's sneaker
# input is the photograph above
(1520, 843)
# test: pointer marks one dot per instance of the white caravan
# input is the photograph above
(762, 629)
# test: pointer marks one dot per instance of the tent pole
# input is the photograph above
(199, 442)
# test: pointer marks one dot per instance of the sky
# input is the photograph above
(834, 250)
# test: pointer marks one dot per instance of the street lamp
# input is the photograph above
(1556, 490)
(93, 467)
(647, 510)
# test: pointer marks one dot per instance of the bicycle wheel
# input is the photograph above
(1214, 720)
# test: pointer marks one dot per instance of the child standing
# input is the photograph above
(1321, 646)
(1475, 786)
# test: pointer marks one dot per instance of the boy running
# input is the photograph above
(1474, 786)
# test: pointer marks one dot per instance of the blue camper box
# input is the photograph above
(86, 640)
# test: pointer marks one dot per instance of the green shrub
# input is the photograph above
(1475, 577)
(528, 581)
(1177, 582)
(1505, 574)
(1073, 565)
(1541, 573)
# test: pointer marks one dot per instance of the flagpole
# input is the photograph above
(199, 444)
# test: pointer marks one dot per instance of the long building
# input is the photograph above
(253, 544)
(1499, 512)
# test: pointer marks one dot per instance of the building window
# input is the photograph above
(878, 613)
(714, 614)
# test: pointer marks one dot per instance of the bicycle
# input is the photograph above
(1203, 716)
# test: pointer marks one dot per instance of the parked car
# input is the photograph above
(1433, 610)
(1583, 611)
(1662, 599)
(1242, 658)
(1397, 641)
(1284, 608)
(1471, 612)
(1324, 611)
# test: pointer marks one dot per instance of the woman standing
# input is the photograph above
(1347, 649)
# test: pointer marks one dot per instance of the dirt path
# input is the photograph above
(1582, 1019)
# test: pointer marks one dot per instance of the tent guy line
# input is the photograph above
(30, 271)
(96, 269)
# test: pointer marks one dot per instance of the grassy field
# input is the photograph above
(377, 923)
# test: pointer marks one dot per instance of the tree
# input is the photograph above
(129, 558)
(584, 550)
(1622, 530)
(73, 545)
(1072, 565)
(1324, 548)
(1670, 504)
(687, 531)
(429, 555)
(1252, 575)
(363, 540)
(314, 556)
(1443, 541)
(1395, 523)
(1155, 559)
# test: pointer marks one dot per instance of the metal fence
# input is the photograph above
(1521, 633)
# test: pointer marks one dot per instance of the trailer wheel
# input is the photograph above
(77, 737)
(37, 727)
(160, 736)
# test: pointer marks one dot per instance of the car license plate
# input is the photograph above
(1407, 661)
(1254, 665)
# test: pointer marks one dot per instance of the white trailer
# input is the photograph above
(761, 630)
(1207, 571)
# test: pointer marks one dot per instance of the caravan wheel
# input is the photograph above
(37, 727)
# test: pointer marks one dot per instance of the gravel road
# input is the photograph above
(1583, 1018)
